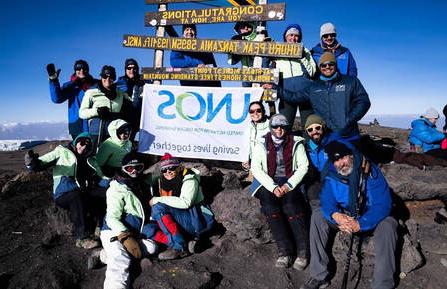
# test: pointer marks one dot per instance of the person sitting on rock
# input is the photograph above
(72, 181)
(112, 151)
(178, 208)
(279, 165)
(104, 103)
(259, 126)
(425, 135)
(127, 230)
(354, 200)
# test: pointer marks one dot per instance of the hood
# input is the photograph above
(249, 37)
(293, 26)
(113, 127)
(81, 135)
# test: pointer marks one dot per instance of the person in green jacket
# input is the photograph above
(73, 176)
(127, 228)
(104, 103)
(111, 152)
(178, 208)
(279, 165)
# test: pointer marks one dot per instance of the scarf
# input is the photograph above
(111, 93)
(287, 154)
(173, 187)
(324, 78)
(83, 83)
(332, 49)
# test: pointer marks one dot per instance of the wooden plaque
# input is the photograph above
(217, 15)
(240, 47)
(170, 1)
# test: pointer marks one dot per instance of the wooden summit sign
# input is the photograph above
(170, 1)
(212, 74)
(241, 47)
(217, 15)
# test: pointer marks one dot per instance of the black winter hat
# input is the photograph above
(336, 150)
(108, 70)
(132, 158)
(192, 26)
(81, 64)
(130, 61)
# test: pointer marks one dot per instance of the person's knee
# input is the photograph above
(386, 230)
(158, 210)
(271, 211)
(293, 210)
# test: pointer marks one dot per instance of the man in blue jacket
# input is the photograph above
(328, 43)
(182, 59)
(72, 92)
(341, 211)
(339, 99)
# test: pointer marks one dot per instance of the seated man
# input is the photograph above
(279, 166)
(178, 208)
(424, 134)
(72, 178)
(342, 209)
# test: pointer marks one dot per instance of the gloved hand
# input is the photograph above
(103, 112)
(31, 159)
(52, 73)
(104, 183)
(131, 245)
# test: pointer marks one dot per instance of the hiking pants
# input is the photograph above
(118, 260)
(384, 238)
(72, 202)
(286, 220)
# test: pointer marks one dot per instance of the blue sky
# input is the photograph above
(399, 47)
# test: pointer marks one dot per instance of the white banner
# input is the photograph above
(196, 122)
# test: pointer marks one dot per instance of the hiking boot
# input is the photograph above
(283, 262)
(312, 283)
(94, 260)
(150, 245)
(300, 263)
(87, 243)
(171, 254)
(441, 216)
(193, 246)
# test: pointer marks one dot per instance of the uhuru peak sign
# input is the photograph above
(212, 74)
(240, 47)
(217, 15)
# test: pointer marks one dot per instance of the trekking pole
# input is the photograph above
(101, 127)
(362, 186)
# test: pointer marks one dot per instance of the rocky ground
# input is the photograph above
(38, 252)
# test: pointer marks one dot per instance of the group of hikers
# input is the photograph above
(139, 213)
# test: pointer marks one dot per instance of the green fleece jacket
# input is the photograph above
(94, 98)
(190, 194)
(300, 164)
(112, 151)
(290, 67)
(257, 131)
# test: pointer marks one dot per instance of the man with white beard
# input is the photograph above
(348, 174)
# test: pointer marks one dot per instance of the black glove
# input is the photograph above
(52, 73)
(31, 159)
(103, 112)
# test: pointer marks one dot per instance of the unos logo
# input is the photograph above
(205, 106)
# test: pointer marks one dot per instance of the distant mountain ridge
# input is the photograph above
(39, 130)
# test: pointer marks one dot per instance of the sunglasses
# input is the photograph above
(80, 67)
(108, 77)
(257, 110)
(329, 35)
(316, 128)
(279, 126)
(131, 68)
(84, 142)
(329, 64)
(133, 167)
(172, 168)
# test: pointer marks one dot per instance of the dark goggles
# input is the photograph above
(171, 168)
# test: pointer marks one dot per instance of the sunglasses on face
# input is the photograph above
(278, 126)
(316, 128)
(332, 35)
(108, 77)
(133, 167)
(256, 110)
(84, 142)
(80, 67)
(131, 68)
(329, 64)
(173, 168)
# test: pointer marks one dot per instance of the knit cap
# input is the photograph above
(278, 120)
(327, 28)
(336, 150)
(167, 160)
(431, 113)
(314, 119)
(327, 57)
(81, 64)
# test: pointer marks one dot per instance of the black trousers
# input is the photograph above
(72, 202)
(287, 221)
(438, 153)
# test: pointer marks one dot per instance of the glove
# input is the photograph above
(444, 144)
(130, 244)
(52, 73)
(104, 183)
(103, 112)
(31, 159)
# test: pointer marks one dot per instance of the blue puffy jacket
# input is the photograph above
(317, 155)
(74, 93)
(341, 102)
(345, 61)
(424, 134)
(182, 59)
(334, 197)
